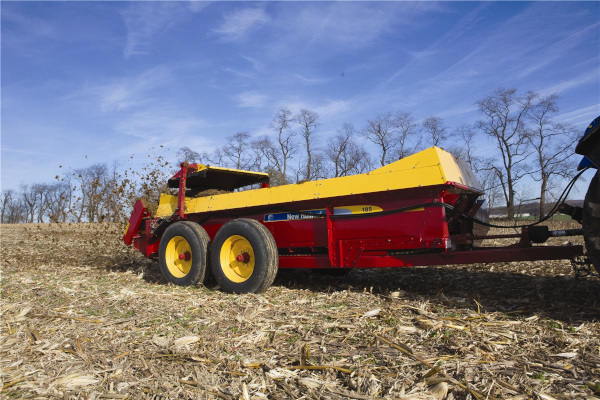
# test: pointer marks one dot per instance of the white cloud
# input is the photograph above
(558, 50)
(136, 107)
(465, 73)
(145, 20)
(581, 116)
(257, 65)
(311, 80)
(164, 125)
(29, 24)
(333, 107)
(126, 93)
(198, 5)
(251, 99)
(560, 87)
(463, 27)
(237, 25)
(327, 110)
(351, 24)
(240, 73)
(458, 110)
(19, 151)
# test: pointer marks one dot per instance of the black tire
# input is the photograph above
(252, 241)
(591, 221)
(184, 272)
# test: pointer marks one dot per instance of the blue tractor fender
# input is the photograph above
(589, 146)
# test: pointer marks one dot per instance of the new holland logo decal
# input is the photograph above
(311, 214)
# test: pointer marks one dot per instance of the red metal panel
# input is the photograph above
(181, 192)
(139, 212)
(482, 255)
(369, 241)
(425, 228)
(332, 242)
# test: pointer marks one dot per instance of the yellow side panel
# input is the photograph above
(202, 167)
(432, 166)
(167, 205)
(457, 171)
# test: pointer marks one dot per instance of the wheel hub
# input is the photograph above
(178, 256)
(237, 258)
(243, 258)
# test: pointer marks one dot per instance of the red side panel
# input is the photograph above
(480, 255)
(139, 213)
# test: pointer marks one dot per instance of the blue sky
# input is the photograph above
(86, 82)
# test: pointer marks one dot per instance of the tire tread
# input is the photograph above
(267, 243)
(196, 274)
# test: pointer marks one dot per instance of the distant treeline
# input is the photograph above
(528, 143)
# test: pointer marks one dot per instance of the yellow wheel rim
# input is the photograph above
(237, 258)
(178, 256)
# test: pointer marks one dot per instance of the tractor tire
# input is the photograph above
(183, 253)
(244, 257)
(591, 221)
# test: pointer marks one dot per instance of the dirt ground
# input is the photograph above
(85, 317)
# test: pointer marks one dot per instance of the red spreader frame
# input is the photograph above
(428, 235)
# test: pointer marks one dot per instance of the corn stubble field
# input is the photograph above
(85, 317)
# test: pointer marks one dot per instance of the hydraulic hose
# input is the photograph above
(561, 199)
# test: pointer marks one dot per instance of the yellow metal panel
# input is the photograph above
(432, 166)
(238, 171)
(457, 171)
(167, 205)
(425, 158)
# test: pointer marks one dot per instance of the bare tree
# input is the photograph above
(113, 204)
(464, 150)
(488, 179)
(217, 157)
(79, 182)
(552, 144)
(319, 167)
(30, 201)
(8, 196)
(96, 185)
(280, 152)
(309, 121)
(465, 135)
(59, 201)
(407, 138)
(238, 151)
(504, 117)
(41, 191)
(435, 130)
(346, 156)
(186, 154)
(90, 183)
(380, 131)
(16, 211)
